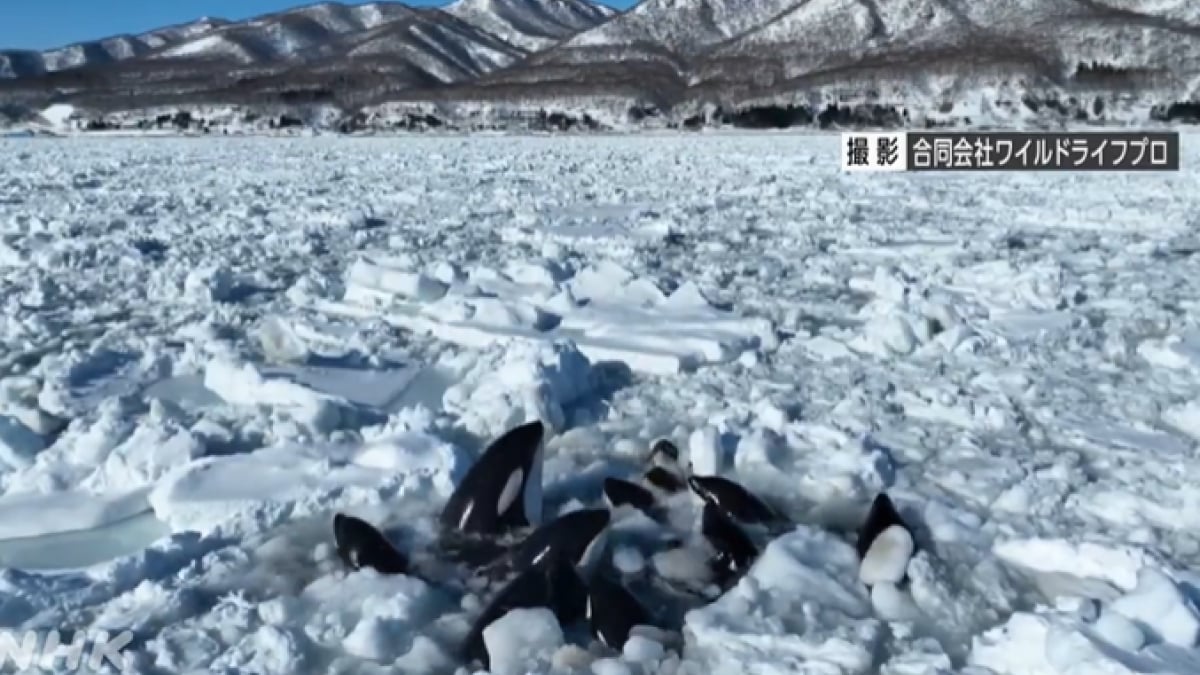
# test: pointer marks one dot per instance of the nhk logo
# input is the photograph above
(48, 651)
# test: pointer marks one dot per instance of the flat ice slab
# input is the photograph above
(609, 313)
(25, 515)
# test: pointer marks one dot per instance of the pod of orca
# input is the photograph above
(492, 523)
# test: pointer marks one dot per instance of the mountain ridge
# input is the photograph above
(340, 20)
(684, 62)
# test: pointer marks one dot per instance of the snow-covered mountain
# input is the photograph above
(320, 53)
(298, 33)
(531, 24)
(26, 63)
(941, 60)
(445, 47)
(929, 53)
(685, 26)
(487, 33)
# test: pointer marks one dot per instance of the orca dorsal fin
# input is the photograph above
(502, 490)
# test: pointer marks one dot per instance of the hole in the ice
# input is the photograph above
(721, 305)
(98, 366)
(370, 223)
(150, 248)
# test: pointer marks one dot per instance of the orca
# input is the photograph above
(664, 479)
(885, 544)
(733, 499)
(735, 552)
(666, 474)
(502, 490)
(664, 450)
(619, 492)
(552, 583)
(612, 611)
(359, 544)
(474, 552)
(579, 536)
(566, 588)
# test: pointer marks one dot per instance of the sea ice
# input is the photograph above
(240, 337)
(521, 640)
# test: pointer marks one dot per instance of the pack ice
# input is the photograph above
(209, 348)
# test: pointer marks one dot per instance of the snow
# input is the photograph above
(58, 115)
(663, 20)
(1174, 351)
(705, 452)
(604, 310)
(639, 649)
(1184, 417)
(530, 24)
(216, 44)
(31, 514)
(100, 53)
(202, 494)
(1124, 638)
(611, 666)
(808, 615)
(18, 443)
(432, 42)
(242, 384)
(1159, 605)
(208, 348)
(517, 641)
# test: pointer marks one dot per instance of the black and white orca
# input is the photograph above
(666, 474)
(664, 479)
(612, 611)
(359, 544)
(734, 500)
(663, 450)
(735, 551)
(885, 544)
(618, 493)
(502, 490)
(552, 583)
(579, 536)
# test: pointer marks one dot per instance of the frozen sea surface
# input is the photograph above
(209, 346)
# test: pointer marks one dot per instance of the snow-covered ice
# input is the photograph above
(517, 641)
(207, 347)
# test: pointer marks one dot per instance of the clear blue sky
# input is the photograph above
(43, 24)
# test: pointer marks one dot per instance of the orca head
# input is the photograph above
(566, 589)
(612, 612)
(579, 537)
(885, 544)
(664, 479)
(619, 493)
(526, 590)
(665, 473)
(503, 489)
(732, 498)
(593, 555)
(663, 451)
(711, 490)
(882, 515)
(886, 560)
(552, 583)
(735, 550)
(360, 544)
